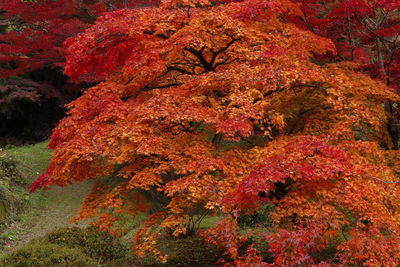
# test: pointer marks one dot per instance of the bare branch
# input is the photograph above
(383, 181)
(181, 70)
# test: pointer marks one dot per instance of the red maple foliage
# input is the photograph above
(366, 32)
(212, 107)
(32, 34)
(37, 30)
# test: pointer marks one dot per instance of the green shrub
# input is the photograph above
(261, 217)
(47, 255)
(190, 251)
(94, 243)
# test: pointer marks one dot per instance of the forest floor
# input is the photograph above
(46, 210)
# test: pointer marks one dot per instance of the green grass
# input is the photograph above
(210, 222)
(32, 160)
(43, 210)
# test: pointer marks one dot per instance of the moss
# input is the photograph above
(12, 189)
(190, 251)
(94, 243)
(45, 255)
(3, 210)
(32, 159)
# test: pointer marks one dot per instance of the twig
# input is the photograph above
(383, 181)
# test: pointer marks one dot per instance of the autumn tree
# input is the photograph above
(218, 108)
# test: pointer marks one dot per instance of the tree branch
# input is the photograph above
(199, 54)
(280, 89)
(383, 181)
(161, 86)
(215, 54)
(181, 70)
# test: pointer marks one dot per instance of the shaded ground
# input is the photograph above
(61, 204)
(46, 210)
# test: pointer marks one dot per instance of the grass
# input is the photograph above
(32, 160)
(209, 222)
(29, 162)
(43, 210)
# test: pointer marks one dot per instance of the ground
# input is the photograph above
(46, 210)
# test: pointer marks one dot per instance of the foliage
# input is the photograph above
(25, 115)
(43, 255)
(367, 32)
(94, 243)
(364, 32)
(31, 48)
(210, 108)
(261, 216)
(33, 40)
(37, 29)
(334, 184)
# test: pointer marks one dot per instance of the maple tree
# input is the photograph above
(221, 107)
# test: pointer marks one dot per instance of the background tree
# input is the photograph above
(367, 32)
(364, 32)
(32, 57)
(212, 107)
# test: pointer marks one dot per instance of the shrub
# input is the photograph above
(190, 251)
(260, 217)
(46, 255)
(95, 244)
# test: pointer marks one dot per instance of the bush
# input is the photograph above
(95, 244)
(261, 217)
(46, 255)
(190, 251)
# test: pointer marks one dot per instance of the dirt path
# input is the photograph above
(57, 207)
